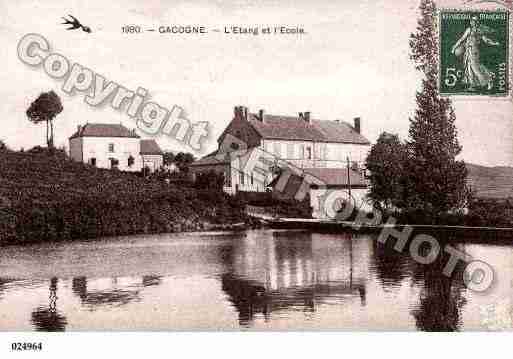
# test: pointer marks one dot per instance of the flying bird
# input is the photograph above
(75, 24)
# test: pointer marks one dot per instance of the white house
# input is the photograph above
(114, 146)
(313, 148)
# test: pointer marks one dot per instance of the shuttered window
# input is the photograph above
(290, 150)
(277, 149)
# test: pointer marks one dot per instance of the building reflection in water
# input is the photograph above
(93, 294)
(111, 291)
(3, 283)
(293, 271)
(49, 319)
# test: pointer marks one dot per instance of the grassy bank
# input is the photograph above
(48, 197)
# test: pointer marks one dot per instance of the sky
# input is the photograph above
(353, 61)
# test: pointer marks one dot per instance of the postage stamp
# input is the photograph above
(474, 53)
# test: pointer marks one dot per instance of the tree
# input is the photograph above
(386, 162)
(210, 180)
(437, 179)
(169, 158)
(44, 109)
(3, 147)
(182, 160)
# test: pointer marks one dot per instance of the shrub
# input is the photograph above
(52, 198)
(211, 180)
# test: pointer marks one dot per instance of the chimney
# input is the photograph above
(240, 112)
(261, 115)
(306, 116)
(357, 127)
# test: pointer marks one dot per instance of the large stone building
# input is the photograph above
(327, 150)
(114, 146)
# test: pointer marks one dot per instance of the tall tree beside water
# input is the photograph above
(437, 180)
(386, 162)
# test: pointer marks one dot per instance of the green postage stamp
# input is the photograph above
(474, 53)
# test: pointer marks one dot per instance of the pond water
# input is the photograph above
(258, 280)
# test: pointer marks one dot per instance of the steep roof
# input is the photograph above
(213, 158)
(293, 128)
(340, 131)
(104, 130)
(217, 157)
(337, 176)
(150, 147)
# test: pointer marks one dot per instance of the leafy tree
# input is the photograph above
(182, 160)
(3, 147)
(44, 109)
(386, 162)
(437, 179)
(211, 180)
(169, 158)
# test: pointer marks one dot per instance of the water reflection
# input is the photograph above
(390, 266)
(441, 301)
(273, 274)
(49, 319)
(441, 297)
(3, 283)
(111, 291)
(255, 279)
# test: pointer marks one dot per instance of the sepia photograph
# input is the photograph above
(255, 166)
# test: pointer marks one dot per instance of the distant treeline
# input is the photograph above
(44, 196)
(479, 213)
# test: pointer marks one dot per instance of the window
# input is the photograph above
(252, 178)
(227, 179)
(114, 162)
(241, 178)
(267, 146)
(92, 161)
(302, 151)
(322, 151)
(111, 147)
(309, 153)
(290, 151)
(277, 149)
(131, 161)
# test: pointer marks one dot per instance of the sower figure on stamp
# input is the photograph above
(476, 75)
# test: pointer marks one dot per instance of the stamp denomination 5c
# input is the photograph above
(474, 53)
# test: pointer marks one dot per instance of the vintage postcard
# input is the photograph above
(255, 166)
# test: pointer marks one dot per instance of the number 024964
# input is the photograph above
(26, 346)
